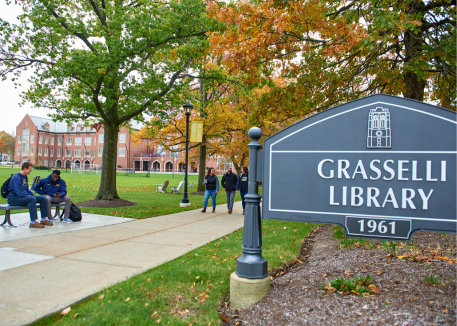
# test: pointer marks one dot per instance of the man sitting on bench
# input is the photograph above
(55, 190)
(19, 194)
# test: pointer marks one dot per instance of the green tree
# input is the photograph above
(109, 61)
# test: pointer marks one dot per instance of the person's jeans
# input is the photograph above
(211, 193)
(242, 193)
(58, 200)
(31, 202)
(230, 198)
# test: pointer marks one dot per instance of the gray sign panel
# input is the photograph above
(381, 166)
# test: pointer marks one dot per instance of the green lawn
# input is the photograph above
(133, 187)
(187, 290)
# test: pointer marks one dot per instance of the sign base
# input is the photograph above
(245, 292)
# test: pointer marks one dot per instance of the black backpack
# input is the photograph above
(5, 186)
(75, 213)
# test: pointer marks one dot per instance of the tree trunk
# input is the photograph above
(237, 167)
(107, 189)
(202, 165)
(415, 87)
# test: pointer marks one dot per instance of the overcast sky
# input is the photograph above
(11, 113)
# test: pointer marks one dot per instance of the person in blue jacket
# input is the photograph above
(19, 194)
(55, 190)
(242, 185)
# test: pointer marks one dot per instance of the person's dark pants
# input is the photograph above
(230, 198)
(242, 193)
(31, 202)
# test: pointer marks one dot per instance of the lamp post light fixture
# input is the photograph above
(187, 109)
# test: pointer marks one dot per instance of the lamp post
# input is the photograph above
(187, 109)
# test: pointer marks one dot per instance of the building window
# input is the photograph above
(45, 163)
(77, 140)
(59, 140)
(32, 139)
(51, 163)
(45, 152)
(31, 150)
(69, 128)
(19, 139)
(59, 152)
(18, 151)
(46, 138)
(101, 138)
(68, 140)
(40, 139)
(40, 152)
(87, 153)
(88, 128)
(100, 152)
(68, 152)
(88, 140)
(52, 152)
(52, 140)
(121, 152)
(77, 152)
(122, 138)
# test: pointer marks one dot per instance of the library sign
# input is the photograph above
(381, 166)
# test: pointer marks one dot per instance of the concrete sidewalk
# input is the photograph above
(68, 266)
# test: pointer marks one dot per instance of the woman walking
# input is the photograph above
(242, 185)
(212, 188)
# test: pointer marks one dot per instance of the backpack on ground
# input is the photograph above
(5, 186)
(75, 213)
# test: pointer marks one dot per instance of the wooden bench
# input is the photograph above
(7, 208)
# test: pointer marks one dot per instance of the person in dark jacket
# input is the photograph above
(242, 185)
(212, 188)
(55, 190)
(19, 194)
(229, 181)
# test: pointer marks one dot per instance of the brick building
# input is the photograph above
(42, 141)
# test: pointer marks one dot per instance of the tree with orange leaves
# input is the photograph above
(6, 144)
(330, 52)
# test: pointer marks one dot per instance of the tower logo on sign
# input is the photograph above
(379, 131)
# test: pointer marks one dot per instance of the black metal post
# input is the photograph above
(251, 264)
(187, 107)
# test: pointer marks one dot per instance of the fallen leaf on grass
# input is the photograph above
(223, 318)
(149, 280)
(65, 311)
(203, 296)
(127, 300)
(101, 297)
(76, 315)
(181, 313)
(158, 321)
(355, 292)
(153, 315)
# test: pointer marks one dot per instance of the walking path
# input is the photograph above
(43, 271)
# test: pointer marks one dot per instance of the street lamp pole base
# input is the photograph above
(184, 204)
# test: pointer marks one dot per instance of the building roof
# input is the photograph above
(62, 126)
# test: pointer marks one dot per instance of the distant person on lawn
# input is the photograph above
(211, 182)
(19, 194)
(242, 185)
(55, 191)
(228, 182)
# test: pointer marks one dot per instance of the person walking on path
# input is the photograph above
(229, 181)
(19, 194)
(242, 185)
(212, 188)
(55, 190)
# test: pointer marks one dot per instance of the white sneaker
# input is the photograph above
(67, 220)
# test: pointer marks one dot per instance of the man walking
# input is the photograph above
(229, 181)
(19, 194)
(55, 191)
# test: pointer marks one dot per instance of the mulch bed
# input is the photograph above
(106, 203)
(419, 288)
